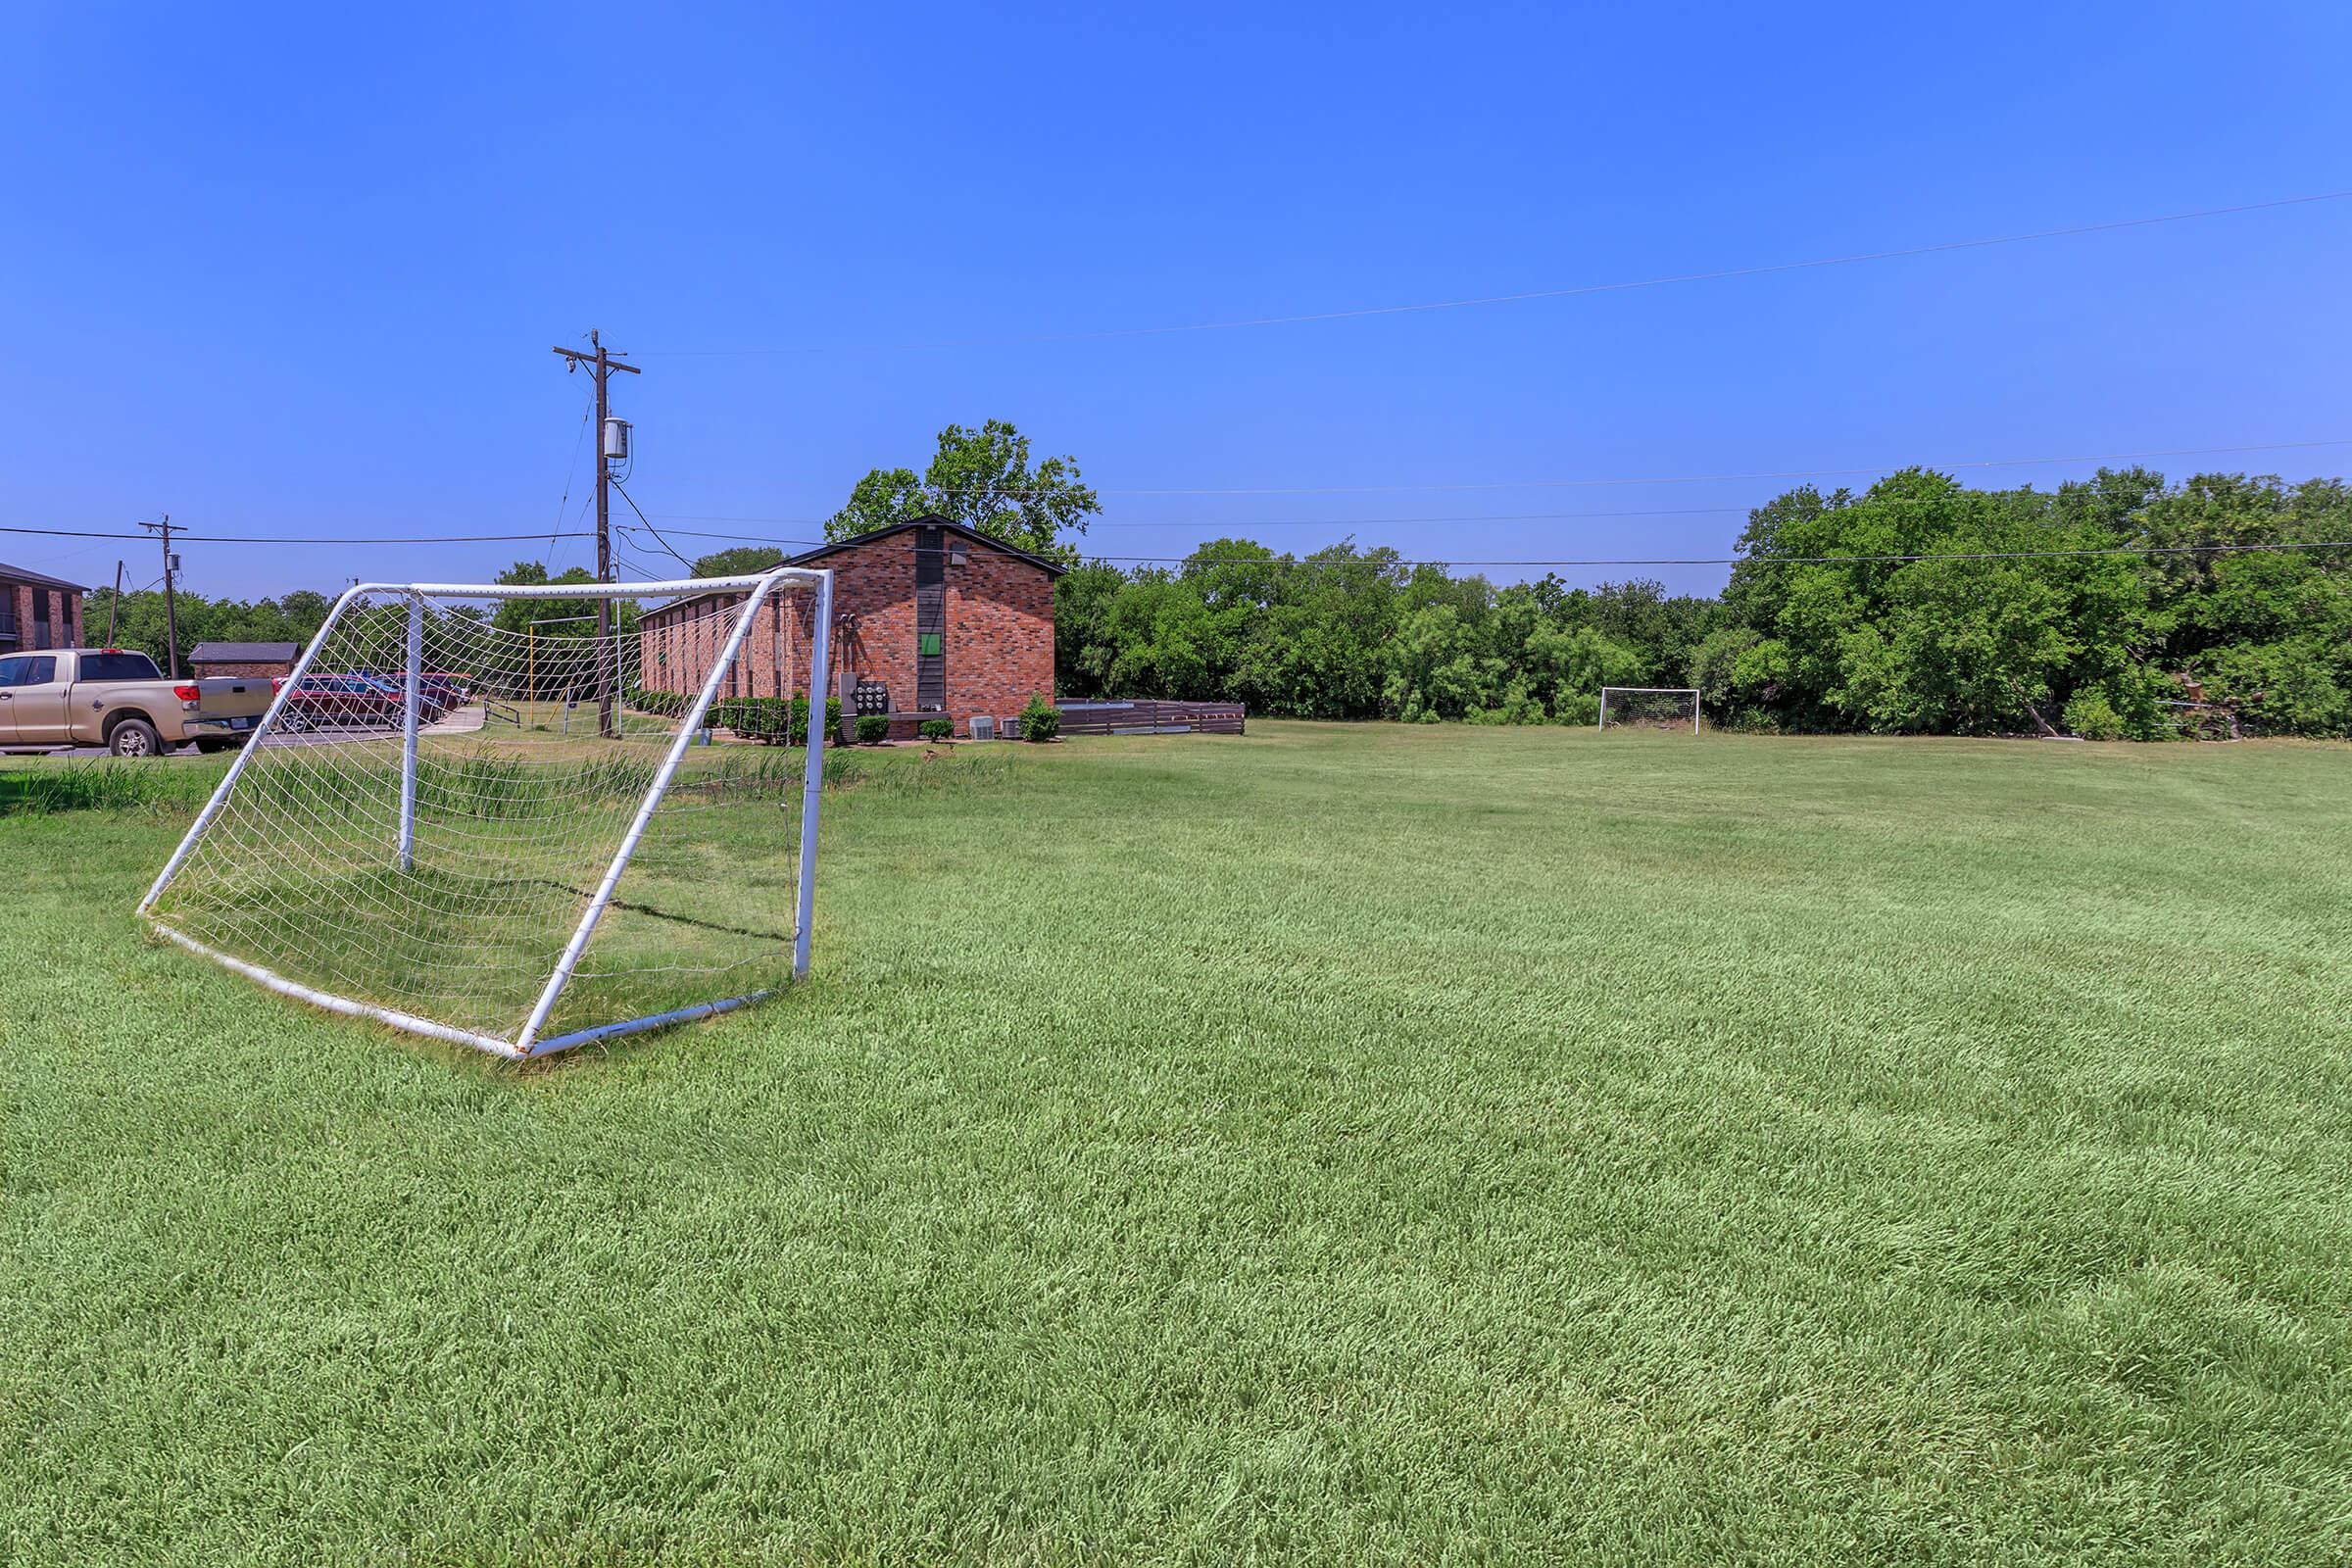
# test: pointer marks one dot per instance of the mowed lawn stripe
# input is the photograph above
(1337, 1143)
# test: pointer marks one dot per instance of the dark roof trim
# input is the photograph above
(1050, 567)
(35, 579)
(242, 652)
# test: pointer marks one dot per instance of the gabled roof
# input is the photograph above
(809, 558)
(243, 652)
(929, 519)
(38, 579)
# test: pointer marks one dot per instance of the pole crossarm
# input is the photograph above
(611, 362)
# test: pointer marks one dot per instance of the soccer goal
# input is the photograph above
(493, 813)
(1650, 707)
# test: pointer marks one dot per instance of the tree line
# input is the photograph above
(139, 618)
(1985, 628)
(139, 622)
(1920, 606)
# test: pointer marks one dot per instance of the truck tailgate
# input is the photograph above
(244, 697)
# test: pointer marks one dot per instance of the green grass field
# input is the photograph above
(1351, 1144)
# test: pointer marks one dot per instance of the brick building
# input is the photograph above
(38, 610)
(243, 658)
(952, 623)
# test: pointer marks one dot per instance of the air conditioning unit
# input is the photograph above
(984, 728)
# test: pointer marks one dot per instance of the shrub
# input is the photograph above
(770, 720)
(872, 728)
(759, 718)
(937, 729)
(800, 718)
(2089, 714)
(670, 705)
(1041, 721)
(1577, 708)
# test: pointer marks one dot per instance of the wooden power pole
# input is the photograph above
(170, 606)
(601, 364)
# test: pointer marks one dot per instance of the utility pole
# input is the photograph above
(601, 364)
(171, 607)
(114, 606)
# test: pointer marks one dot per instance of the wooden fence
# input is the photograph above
(1152, 718)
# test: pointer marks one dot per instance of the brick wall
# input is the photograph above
(999, 637)
(263, 669)
(46, 617)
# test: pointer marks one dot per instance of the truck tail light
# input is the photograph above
(186, 694)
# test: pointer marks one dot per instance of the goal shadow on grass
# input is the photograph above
(298, 876)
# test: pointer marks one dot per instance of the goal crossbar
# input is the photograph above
(528, 1041)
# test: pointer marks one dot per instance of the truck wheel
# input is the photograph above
(135, 737)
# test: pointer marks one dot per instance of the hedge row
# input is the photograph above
(770, 720)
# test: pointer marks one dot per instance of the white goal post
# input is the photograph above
(420, 831)
(1641, 704)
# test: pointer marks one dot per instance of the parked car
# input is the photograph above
(343, 701)
(434, 695)
(116, 699)
(443, 692)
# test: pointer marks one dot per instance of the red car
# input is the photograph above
(352, 702)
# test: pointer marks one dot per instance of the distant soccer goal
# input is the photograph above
(1650, 707)
(479, 813)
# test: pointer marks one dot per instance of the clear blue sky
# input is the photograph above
(297, 270)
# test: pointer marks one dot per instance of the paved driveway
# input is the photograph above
(459, 722)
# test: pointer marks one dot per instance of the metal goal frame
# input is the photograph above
(528, 1042)
(1690, 692)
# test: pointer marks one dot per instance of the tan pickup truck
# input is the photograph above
(107, 696)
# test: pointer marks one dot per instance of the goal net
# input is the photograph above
(493, 813)
(1650, 707)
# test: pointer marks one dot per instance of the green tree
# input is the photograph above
(984, 479)
(1318, 652)
(1435, 668)
(139, 620)
(1917, 606)
(551, 624)
(739, 560)
(1085, 648)
(1159, 630)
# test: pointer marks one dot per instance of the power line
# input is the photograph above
(1691, 478)
(1521, 516)
(572, 467)
(1529, 517)
(738, 538)
(275, 539)
(1718, 276)
(649, 528)
(1259, 523)
(1664, 561)
(1740, 560)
